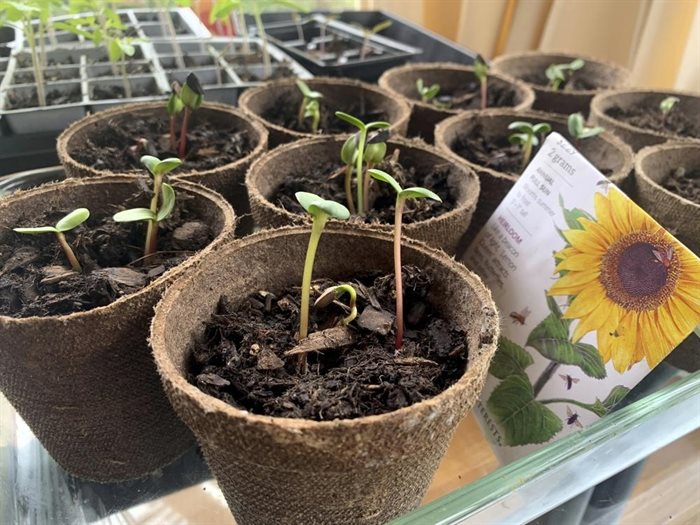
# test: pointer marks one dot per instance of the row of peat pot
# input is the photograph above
(108, 405)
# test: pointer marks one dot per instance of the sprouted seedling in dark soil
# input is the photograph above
(310, 106)
(348, 155)
(191, 96)
(667, 105)
(158, 211)
(369, 33)
(320, 210)
(557, 73)
(67, 223)
(481, 70)
(334, 293)
(527, 136)
(427, 93)
(361, 145)
(174, 108)
(578, 129)
(401, 196)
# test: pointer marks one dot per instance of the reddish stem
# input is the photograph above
(397, 274)
(183, 134)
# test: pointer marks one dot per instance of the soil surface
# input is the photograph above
(20, 99)
(286, 110)
(677, 121)
(339, 50)
(115, 147)
(469, 97)
(353, 373)
(329, 183)
(116, 90)
(132, 68)
(685, 183)
(575, 82)
(36, 280)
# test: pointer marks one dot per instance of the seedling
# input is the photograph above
(558, 73)
(66, 224)
(166, 20)
(527, 136)
(578, 129)
(427, 93)
(667, 105)
(361, 145)
(158, 211)
(174, 107)
(320, 210)
(375, 151)
(334, 293)
(310, 106)
(401, 196)
(481, 70)
(348, 155)
(369, 33)
(118, 49)
(191, 96)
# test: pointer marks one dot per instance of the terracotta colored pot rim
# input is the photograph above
(524, 55)
(189, 187)
(660, 149)
(63, 142)
(325, 83)
(216, 407)
(516, 84)
(468, 202)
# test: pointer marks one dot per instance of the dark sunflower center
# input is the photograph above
(639, 271)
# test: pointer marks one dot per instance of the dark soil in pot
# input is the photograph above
(242, 357)
(54, 97)
(36, 281)
(677, 122)
(684, 183)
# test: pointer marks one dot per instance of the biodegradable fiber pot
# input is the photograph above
(353, 471)
(228, 180)
(307, 156)
(605, 151)
(530, 66)
(606, 104)
(339, 94)
(401, 81)
(677, 214)
(85, 382)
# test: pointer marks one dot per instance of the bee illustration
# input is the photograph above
(664, 258)
(521, 316)
(572, 418)
(570, 381)
(603, 184)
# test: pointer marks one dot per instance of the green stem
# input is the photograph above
(167, 20)
(546, 376)
(527, 151)
(38, 75)
(397, 273)
(366, 183)
(125, 78)
(72, 259)
(568, 401)
(263, 37)
(348, 189)
(183, 133)
(316, 120)
(359, 172)
(42, 44)
(152, 231)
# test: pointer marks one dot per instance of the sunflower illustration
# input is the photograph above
(631, 281)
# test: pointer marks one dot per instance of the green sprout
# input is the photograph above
(310, 106)
(667, 105)
(401, 196)
(427, 93)
(320, 210)
(375, 151)
(481, 70)
(361, 145)
(348, 155)
(334, 293)
(557, 73)
(191, 96)
(118, 49)
(67, 223)
(369, 33)
(157, 212)
(578, 129)
(527, 136)
(174, 107)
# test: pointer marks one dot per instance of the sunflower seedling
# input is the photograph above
(174, 108)
(558, 73)
(66, 224)
(667, 105)
(527, 136)
(320, 210)
(310, 106)
(348, 155)
(401, 196)
(481, 70)
(162, 201)
(191, 96)
(369, 33)
(361, 147)
(578, 129)
(334, 293)
(427, 93)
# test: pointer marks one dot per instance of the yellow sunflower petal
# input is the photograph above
(597, 319)
(625, 352)
(669, 326)
(604, 214)
(586, 301)
(573, 282)
(599, 232)
(581, 262)
(582, 240)
(619, 205)
(685, 317)
(653, 340)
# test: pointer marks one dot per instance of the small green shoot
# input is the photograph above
(158, 211)
(174, 107)
(310, 106)
(361, 143)
(401, 196)
(348, 155)
(527, 136)
(334, 293)
(481, 70)
(667, 105)
(578, 129)
(191, 96)
(427, 93)
(320, 210)
(66, 224)
(558, 73)
(369, 33)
